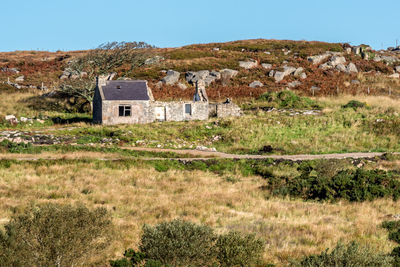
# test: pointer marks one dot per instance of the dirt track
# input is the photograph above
(196, 155)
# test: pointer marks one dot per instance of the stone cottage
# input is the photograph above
(131, 102)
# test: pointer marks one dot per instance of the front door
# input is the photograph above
(160, 113)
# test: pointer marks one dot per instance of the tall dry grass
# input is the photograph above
(136, 196)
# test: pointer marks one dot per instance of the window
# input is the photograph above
(188, 109)
(124, 111)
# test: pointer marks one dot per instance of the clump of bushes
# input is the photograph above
(180, 243)
(351, 254)
(393, 228)
(55, 235)
(330, 185)
(288, 99)
(354, 104)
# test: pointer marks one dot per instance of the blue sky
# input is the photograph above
(82, 24)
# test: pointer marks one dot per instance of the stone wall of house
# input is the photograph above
(222, 110)
(141, 112)
(97, 107)
(145, 111)
(175, 111)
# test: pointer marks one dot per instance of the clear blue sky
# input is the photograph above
(83, 24)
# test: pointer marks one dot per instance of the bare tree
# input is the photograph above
(105, 59)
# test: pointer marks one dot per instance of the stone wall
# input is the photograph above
(175, 111)
(145, 111)
(222, 110)
(141, 112)
(97, 107)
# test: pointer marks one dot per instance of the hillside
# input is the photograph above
(282, 174)
(319, 75)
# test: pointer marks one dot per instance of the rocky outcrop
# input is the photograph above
(248, 64)
(171, 78)
(71, 74)
(256, 84)
(351, 68)
(11, 70)
(266, 66)
(280, 75)
(203, 75)
(20, 78)
(153, 60)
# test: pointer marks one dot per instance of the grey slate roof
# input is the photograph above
(125, 90)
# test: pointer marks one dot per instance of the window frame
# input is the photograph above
(185, 110)
(125, 110)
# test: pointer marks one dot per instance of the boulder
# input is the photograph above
(298, 72)
(346, 84)
(351, 68)
(266, 66)
(12, 70)
(279, 76)
(256, 84)
(341, 67)
(228, 73)
(248, 64)
(171, 78)
(356, 82)
(395, 76)
(194, 76)
(294, 84)
(271, 73)
(326, 66)
(318, 58)
(20, 78)
(335, 60)
(153, 60)
(397, 69)
(216, 74)
(182, 86)
(303, 76)
(389, 59)
(10, 117)
(288, 70)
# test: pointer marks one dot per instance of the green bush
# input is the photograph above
(55, 235)
(325, 185)
(288, 99)
(350, 255)
(354, 104)
(235, 249)
(393, 228)
(179, 243)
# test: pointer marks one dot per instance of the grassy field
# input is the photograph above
(136, 193)
(334, 129)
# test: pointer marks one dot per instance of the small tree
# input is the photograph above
(179, 243)
(236, 249)
(102, 60)
(54, 235)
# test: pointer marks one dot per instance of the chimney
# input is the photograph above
(102, 79)
(200, 93)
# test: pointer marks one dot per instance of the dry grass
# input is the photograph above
(136, 196)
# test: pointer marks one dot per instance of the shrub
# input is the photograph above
(179, 243)
(352, 185)
(235, 249)
(288, 99)
(393, 228)
(346, 255)
(354, 104)
(54, 235)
